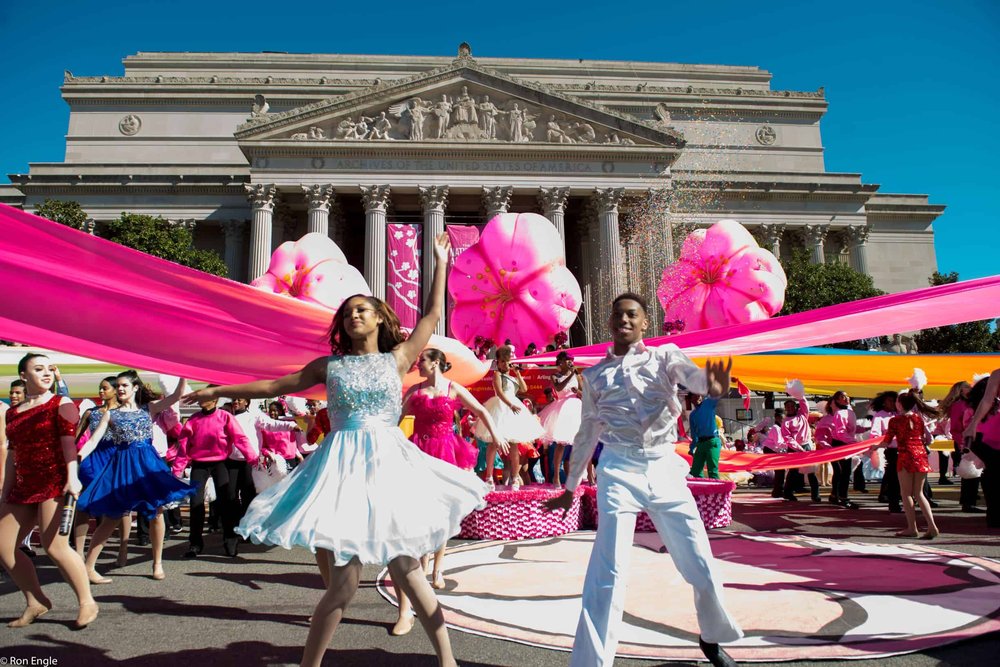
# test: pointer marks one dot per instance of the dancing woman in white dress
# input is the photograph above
(348, 499)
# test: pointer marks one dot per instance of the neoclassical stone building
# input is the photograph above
(251, 149)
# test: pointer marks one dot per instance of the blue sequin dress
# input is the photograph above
(98, 458)
(134, 478)
(367, 491)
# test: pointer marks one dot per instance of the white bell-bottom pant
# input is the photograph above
(627, 484)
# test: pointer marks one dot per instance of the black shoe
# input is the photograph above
(972, 509)
(715, 654)
(895, 510)
(883, 499)
(861, 490)
(192, 552)
(231, 546)
(849, 505)
(775, 494)
(173, 530)
(817, 499)
(28, 551)
(833, 500)
(790, 497)
(932, 503)
(945, 482)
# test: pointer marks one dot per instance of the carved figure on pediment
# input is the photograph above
(300, 136)
(554, 133)
(345, 128)
(363, 128)
(412, 113)
(316, 133)
(585, 133)
(613, 138)
(515, 116)
(465, 108)
(488, 118)
(443, 112)
(528, 131)
(381, 128)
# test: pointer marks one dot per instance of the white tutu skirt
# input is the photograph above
(561, 419)
(367, 493)
(513, 427)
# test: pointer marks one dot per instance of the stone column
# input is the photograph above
(588, 286)
(262, 198)
(376, 201)
(433, 199)
(233, 231)
(319, 199)
(858, 235)
(815, 237)
(496, 200)
(553, 203)
(610, 260)
(771, 235)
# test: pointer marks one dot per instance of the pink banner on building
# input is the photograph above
(462, 237)
(402, 288)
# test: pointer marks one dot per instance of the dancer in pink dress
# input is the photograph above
(434, 404)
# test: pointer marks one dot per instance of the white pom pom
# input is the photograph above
(979, 376)
(918, 380)
(795, 388)
(297, 405)
(971, 466)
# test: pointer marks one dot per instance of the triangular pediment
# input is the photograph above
(460, 103)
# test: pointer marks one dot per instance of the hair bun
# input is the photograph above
(445, 367)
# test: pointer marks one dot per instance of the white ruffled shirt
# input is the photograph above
(632, 401)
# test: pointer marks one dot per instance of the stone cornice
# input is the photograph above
(485, 151)
(72, 81)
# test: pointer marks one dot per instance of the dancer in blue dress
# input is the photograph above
(93, 464)
(367, 495)
(134, 478)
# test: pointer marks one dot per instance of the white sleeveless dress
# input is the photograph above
(367, 491)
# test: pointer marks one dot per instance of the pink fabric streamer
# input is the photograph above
(403, 279)
(734, 461)
(965, 301)
(69, 291)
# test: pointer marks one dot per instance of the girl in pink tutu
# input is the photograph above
(561, 419)
(512, 421)
(434, 403)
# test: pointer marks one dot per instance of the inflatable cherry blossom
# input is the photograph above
(312, 269)
(513, 283)
(722, 277)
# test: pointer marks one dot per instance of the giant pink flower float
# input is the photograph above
(513, 283)
(722, 277)
(312, 269)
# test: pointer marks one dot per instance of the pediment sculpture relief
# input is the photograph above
(458, 115)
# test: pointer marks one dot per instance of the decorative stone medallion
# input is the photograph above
(130, 125)
(766, 135)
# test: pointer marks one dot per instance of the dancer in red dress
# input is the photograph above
(912, 438)
(40, 469)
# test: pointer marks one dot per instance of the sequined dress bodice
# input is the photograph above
(363, 389)
(128, 427)
(434, 416)
(510, 387)
(93, 419)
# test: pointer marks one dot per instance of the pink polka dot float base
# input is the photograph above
(517, 515)
(797, 598)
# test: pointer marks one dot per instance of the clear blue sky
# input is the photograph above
(912, 85)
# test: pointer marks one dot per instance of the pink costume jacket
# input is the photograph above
(211, 437)
(795, 430)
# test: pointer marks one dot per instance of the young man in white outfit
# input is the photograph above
(630, 404)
